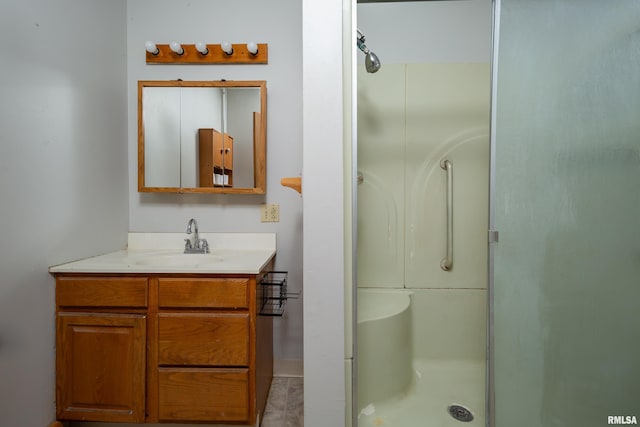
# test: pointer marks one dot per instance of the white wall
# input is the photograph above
(323, 188)
(430, 31)
(277, 23)
(63, 187)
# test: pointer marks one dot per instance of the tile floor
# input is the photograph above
(285, 403)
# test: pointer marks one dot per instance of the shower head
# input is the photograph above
(371, 61)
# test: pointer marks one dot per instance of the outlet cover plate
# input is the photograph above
(270, 212)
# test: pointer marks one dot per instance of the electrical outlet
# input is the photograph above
(270, 213)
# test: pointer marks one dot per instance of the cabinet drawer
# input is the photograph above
(203, 293)
(203, 394)
(101, 291)
(205, 339)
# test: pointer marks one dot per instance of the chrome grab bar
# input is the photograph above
(447, 263)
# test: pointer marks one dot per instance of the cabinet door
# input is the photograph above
(101, 367)
(227, 152)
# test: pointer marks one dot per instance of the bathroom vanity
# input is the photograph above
(150, 334)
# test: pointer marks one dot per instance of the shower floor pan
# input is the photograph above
(437, 384)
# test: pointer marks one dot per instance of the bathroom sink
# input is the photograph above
(179, 260)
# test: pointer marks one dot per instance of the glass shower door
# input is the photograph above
(565, 292)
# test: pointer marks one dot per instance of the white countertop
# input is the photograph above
(230, 253)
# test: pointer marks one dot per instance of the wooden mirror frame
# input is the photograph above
(259, 129)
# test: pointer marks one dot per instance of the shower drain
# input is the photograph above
(460, 413)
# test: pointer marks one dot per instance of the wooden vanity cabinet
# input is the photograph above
(162, 348)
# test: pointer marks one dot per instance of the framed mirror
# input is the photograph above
(202, 136)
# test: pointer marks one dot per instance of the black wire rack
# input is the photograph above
(273, 293)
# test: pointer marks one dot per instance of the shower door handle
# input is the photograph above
(447, 263)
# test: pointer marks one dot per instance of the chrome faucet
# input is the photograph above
(198, 245)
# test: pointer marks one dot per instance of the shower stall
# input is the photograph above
(423, 170)
(498, 240)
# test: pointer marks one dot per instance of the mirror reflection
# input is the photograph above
(202, 137)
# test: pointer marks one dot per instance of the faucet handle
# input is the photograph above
(204, 245)
(187, 244)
